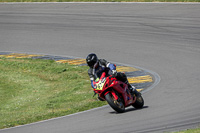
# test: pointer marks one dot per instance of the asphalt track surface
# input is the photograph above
(164, 38)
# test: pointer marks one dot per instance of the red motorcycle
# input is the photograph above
(116, 93)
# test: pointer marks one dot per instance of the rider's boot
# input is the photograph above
(133, 90)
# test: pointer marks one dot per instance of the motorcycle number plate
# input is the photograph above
(101, 84)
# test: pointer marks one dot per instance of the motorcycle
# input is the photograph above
(116, 93)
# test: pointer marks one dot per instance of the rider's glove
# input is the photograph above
(114, 73)
(95, 86)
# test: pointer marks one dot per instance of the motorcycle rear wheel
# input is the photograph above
(139, 103)
(117, 105)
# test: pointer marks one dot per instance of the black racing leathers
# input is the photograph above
(104, 66)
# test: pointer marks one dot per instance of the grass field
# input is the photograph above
(34, 90)
(190, 131)
(99, 0)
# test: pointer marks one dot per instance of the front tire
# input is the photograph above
(117, 105)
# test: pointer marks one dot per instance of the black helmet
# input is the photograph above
(91, 59)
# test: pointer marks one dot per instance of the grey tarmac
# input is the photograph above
(162, 37)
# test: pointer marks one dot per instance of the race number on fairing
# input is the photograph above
(101, 84)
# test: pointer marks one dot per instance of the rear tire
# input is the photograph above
(117, 105)
(139, 103)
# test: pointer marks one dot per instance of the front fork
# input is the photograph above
(113, 94)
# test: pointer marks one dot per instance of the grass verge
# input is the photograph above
(189, 131)
(33, 90)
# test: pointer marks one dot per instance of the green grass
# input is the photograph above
(189, 131)
(33, 90)
(99, 0)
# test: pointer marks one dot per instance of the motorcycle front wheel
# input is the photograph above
(117, 105)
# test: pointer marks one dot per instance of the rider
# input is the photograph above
(98, 66)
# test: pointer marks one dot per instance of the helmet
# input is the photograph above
(91, 59)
